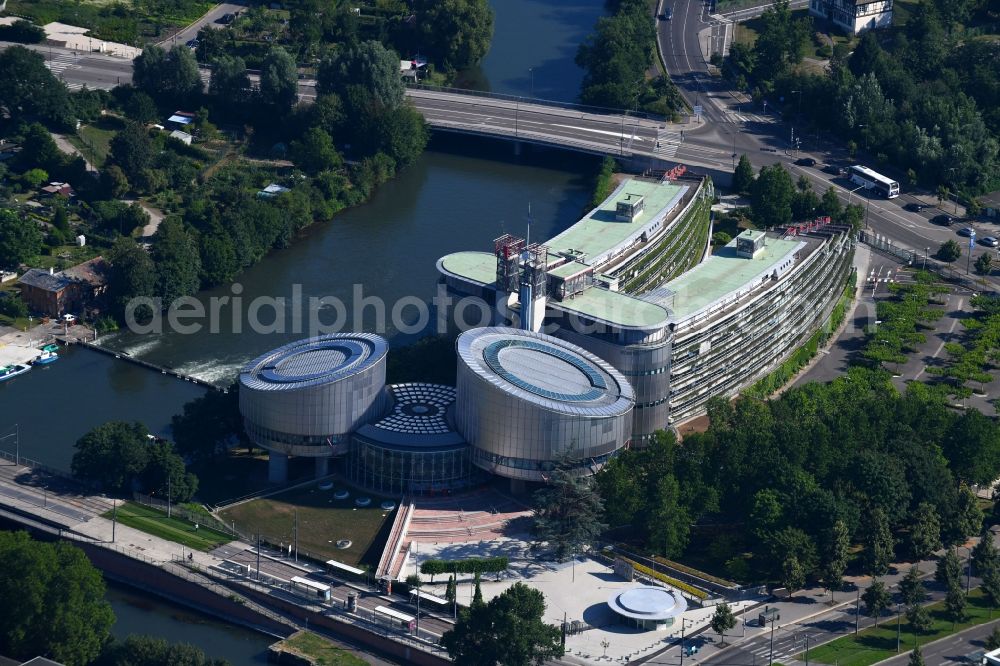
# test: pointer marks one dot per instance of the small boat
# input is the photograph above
(45, 358)
(11, 371)
(51, 348)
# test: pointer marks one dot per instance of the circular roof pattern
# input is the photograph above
(313, 362)
(546, 370)
(647, 603)
(419, 408)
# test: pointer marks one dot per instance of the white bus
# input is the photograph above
(865, 177)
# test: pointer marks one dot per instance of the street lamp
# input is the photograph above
(17, 443)
(531, 73)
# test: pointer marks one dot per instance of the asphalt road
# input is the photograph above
(210, 19)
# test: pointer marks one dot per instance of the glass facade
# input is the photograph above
(304, 399)
(520, 433)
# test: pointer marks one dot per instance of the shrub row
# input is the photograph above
(694, 572)
(663, 578)
(471, 565)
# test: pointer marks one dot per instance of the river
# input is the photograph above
(459, 195)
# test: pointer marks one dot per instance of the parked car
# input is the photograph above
(227, 18)
(192, 43)
(943, 220)
(833, 169)
(989, 241)
(806, 161)
(967, 231)
(916, 207)
(667, 14)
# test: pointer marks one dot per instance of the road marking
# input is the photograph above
(620, 135)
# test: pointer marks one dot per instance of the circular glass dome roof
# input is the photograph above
(313, 362)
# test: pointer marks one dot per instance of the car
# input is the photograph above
(967, 231)
(192, 43)
(916, 207)
(832, 169)
(806, 161)
(943, 220)
(227, 18)
(989, 241)
(667, 14)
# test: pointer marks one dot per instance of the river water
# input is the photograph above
(461, 194)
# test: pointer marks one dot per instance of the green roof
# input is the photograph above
(615, 308)
(599, 231)
(477, 266)
(568, 269)
(721, 274)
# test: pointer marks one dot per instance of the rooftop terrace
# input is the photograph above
(600, 232)
(720, 275)
(476, 266)
(614, 308)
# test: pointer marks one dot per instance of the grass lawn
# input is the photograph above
(874, 645)
(237, 475)
(94, 141)
(319, 650)
(323, 521)
(155, 522)
(65, 256)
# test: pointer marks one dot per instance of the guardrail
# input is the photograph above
(599, 110)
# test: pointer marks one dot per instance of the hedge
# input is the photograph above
(471, 565)
(694, 572)
(663, 578)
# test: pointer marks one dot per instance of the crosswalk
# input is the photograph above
(667, 142)
(60, 63)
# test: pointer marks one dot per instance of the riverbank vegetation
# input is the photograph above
(617, 57)
(772, 487)
(921, 96)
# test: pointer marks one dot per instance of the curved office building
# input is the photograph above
(525, 400)
(415, 449)
(305, 398)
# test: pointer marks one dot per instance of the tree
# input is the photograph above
(168, 75)
(991, 588)
(279, 79)
(833, 559)
(984, 264)
(949, 251)
(178, 263)
(315, 152)
(141, 108)
(508, 631)
(165, 475)
(970, 516)
(455, 33)
(743, 177)
(451, 591)
(132, 150)
(370, 67)
(925, 531)
(477, 591)
(722, 621)
(23, 32)
(568, 509)
(879, 544)
(771, 197)
(949, 569)
(985, 555)
(793, 576)
(230, 83)
(34, 178)
(919, 618)
(916, 658)
(955, 604)
(993, 640)
(206, 424)
(877, 599)
(132, 275)
(53, 601)
(39, 149)
(20, 239)
(829, 203)
(139, 650)
(114, 182)
(112, 455)
(28, 90)
(911, 588)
